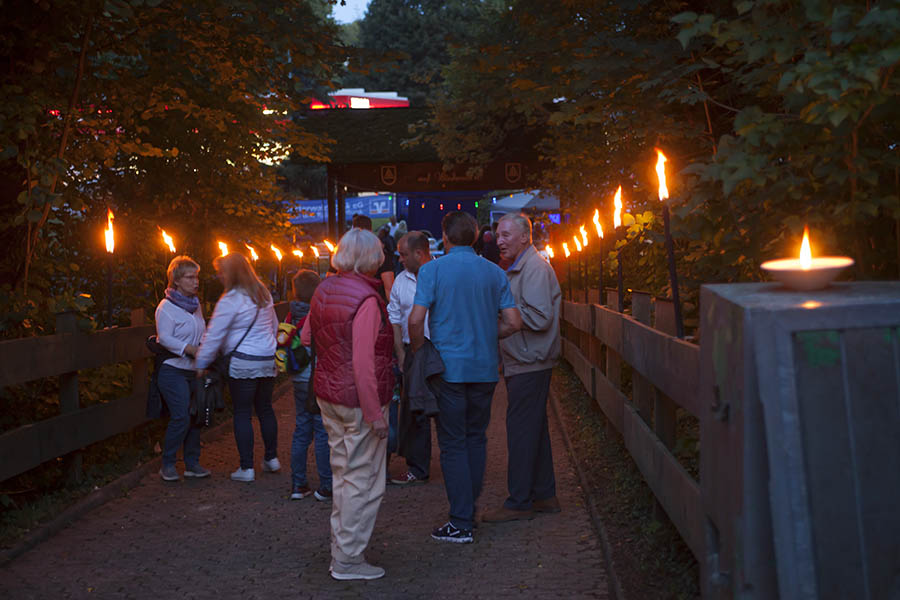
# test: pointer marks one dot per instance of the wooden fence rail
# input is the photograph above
(64, 354)
(665, 375)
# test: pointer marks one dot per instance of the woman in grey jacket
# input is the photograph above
(244, 324)
(179, 326)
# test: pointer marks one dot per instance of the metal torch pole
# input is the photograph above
(600, 272)
(673, 275)
(109, 274)
(619, 257)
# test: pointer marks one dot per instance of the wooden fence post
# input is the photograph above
(67, 322)
(643, 389)
(665, 421)
(613, 359)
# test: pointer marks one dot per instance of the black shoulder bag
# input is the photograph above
(221, 364)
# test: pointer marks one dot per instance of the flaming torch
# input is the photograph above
(568, 268)
(110, 237)
(223, 248)
(599, 229)
(578, 249)
(316, 252)
(549, 251)
(582, 262)
(329, 245)
(617, 226)
(278, 273)
(253, 254)
(167, 240)
(670, 247)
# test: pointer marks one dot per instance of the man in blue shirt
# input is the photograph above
(469, 307)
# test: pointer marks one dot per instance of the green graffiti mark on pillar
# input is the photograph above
(820, 348)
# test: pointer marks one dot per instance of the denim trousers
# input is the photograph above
(529, 474)
(465, 411)
(248, 395)
(176, 385)
(306, 427)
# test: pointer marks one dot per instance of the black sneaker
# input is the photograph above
(449, 533)
(323, 495)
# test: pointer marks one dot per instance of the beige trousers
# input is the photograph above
(358, 470)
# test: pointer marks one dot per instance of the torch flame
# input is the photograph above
(298, 253)
(617, 213)
(223, 248)
(549, 251)
(253, 253)
(597, 223)
(110, 236)
(167, 240)
(577, 243)
(584, 240)
(661, 174)
(805, 252)
(329, 245)
(277, 251)
(315, 251)
(566, 250)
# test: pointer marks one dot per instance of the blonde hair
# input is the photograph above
(359, 251)
(239, 273)
(178, 267)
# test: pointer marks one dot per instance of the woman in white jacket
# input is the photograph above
(244, 324)
(179, 326)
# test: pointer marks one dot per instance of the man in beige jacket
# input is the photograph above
(528, 359)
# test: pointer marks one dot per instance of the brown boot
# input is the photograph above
(503, 514)
(547, 505)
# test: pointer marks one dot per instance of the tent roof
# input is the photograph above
(533, 200)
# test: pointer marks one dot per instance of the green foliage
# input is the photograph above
(156, 110)
(406, 43)
(772, 114)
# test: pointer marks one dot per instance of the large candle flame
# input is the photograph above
(566, 250)
(597, 223)
(577, 243)
(315, 251)
(584, 240)
(167, 240)
(617, 212)
(276, 251)
(329, 245)
(661, 174)
(253, 253)
(805, 252)
(223, 248)
(297, 253)
(108, 232)
(549, 251)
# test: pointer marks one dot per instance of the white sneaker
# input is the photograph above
(271, 466)
(348, 572)
(244, 475)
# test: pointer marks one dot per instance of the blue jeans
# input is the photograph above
(308, 426)
(247, 395)
(530, 467)
(465, 411)
(176, 386)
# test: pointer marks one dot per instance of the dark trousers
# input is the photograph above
(247, 395)
(465, 411)
(418, 450)
(530, 464)
(176, 386)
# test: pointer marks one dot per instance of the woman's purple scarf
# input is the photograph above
(188, 303)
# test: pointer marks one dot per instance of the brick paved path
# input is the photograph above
(217, 538)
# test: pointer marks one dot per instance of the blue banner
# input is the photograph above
(379, 206)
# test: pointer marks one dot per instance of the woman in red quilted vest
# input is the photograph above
(353, 383)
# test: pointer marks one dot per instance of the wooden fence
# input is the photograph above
(63, 355)
(598, 342)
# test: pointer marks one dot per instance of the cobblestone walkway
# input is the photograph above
(217, 538)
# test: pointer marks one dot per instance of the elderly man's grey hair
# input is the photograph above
(522, 222)
(360, 251)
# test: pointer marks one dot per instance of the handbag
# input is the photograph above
(222, 363)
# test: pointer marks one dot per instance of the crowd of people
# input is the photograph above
(444, 329)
